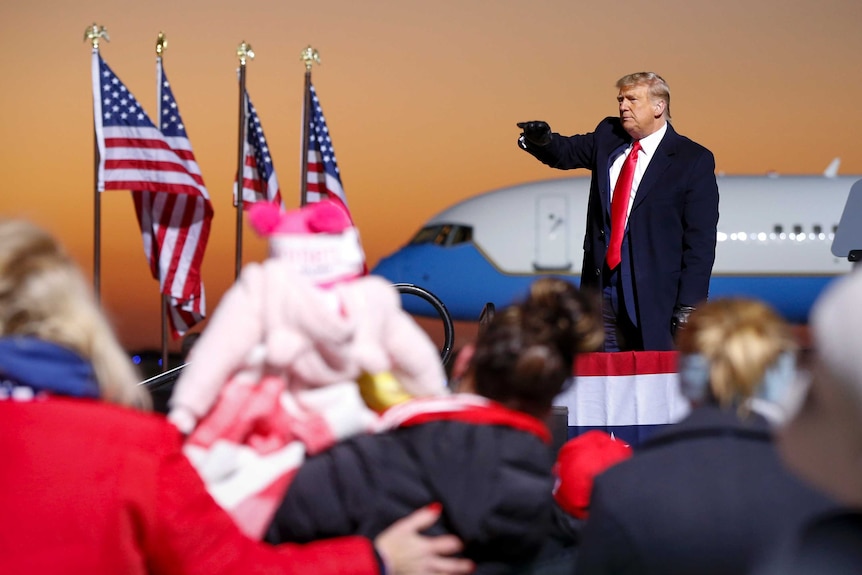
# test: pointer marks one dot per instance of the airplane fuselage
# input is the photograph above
(774, 239)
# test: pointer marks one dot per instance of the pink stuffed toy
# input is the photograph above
(275, 373)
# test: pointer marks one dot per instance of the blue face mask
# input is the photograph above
(788, 390)
(776, 385)
(778, 379)
(694, 377)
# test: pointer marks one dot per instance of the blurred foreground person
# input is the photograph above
(89, 485)
(483, 453)
(709, 495)
(823, 441)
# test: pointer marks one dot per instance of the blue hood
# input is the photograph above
(45, 367)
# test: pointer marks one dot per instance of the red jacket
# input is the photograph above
(87, 487)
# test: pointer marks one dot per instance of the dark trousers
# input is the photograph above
(621, 334)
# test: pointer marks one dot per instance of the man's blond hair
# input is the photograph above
(658, 88)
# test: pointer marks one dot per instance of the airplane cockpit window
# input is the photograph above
(460, 235)
(425, 235)
(443, 235)
(442, 238)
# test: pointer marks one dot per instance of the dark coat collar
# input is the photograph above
(661, 160)
(712, 421)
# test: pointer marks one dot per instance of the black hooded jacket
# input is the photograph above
(493, 480)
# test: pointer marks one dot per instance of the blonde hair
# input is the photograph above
(658, 88)
(740, 339)
(44, 295)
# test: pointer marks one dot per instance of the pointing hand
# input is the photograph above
(536, 132)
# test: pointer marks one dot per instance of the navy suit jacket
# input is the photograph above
(669, 246)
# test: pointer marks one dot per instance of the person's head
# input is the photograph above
(44, 295)
(735, 349)
(526, 352)
(644, 103)
(578, 463)
(823, 441)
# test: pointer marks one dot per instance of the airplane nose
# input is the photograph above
(393, 268)
(402, 268)
(406, 267)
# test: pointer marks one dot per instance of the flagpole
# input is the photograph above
(244, 53)
(309, 56)
(94, 34)
(161, 46)
(97, 222)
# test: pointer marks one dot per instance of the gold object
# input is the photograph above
(381, 391)
(310, 56)
(161, 44)
(95, 33)
(244, 52)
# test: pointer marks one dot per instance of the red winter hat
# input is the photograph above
(578, 462)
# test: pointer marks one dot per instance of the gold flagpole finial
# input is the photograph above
(244, 52)
(310, 56)
(95, 33)
(161, 44)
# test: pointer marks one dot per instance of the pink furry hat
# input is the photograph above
(318, 240)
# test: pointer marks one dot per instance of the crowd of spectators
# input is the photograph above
(761, 477)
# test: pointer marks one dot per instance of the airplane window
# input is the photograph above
(835, 229)
(797, 229)
(778, 228)
(442, 235)
(425, 235)
(460, 235)
(817, 229)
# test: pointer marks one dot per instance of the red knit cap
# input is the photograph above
(578, 462)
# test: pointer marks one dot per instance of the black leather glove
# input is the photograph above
(680, 317)
(537, 132)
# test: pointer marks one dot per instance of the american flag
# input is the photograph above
(175, 227)
(259, 182)
(133, 154)
(324, 178)
(170, 198)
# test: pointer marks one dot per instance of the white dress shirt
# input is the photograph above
(648, 148)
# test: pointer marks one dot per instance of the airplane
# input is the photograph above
(774, 238)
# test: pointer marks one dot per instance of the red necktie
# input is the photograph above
(620, 206)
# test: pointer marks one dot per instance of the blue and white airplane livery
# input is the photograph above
(774, 240)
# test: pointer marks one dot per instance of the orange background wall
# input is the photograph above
(421, 100)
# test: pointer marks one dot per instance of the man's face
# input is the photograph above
(823, 442)
(640, 114)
